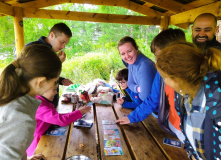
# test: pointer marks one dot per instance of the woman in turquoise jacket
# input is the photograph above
(141, 69)
(151, 103)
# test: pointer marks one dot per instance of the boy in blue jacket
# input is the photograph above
(130, 99)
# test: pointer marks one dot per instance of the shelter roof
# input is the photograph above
(154, 12)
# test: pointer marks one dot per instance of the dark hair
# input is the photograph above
(127, 39)
(36, 60)
(122, 74)
(165, 37)
(59, 28)
(207, 15)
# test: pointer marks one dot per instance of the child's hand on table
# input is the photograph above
(120, 101)
(85, 109)
(124, 120)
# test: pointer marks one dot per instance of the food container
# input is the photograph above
(74, 98)
(84, 95)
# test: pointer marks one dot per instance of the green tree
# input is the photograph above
(92, 51)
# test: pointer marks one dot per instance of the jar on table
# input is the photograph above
(74, 98)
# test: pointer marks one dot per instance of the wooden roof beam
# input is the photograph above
(13, 3)
(122, 3)
(171, 5)
(43, 3)
(183, 25)
(198, 3)
(125, 4)
(142, 9)
(189, 16)
(150, 5)
(38, 3)
(2, 15)
(6, 9)
(91, 17)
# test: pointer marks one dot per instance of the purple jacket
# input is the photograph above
(47, 115)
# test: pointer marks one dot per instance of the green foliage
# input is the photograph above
(90, 66)
(4, 63)
(6, 32)
(92, 51)
(7, 40)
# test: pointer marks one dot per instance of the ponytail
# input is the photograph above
(36, 60)
(10, 84)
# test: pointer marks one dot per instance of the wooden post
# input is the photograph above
(164, 23)
(19, 30)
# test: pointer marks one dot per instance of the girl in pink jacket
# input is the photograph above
(47, 115)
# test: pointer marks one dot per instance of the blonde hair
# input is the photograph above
(186, 64)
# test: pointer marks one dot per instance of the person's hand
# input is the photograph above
(120, 101)
(66, 82)
(192, 157)
(62, 56)
(85, 109)
(124, 120)
(37, 157)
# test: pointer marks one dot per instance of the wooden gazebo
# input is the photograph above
(156, 12)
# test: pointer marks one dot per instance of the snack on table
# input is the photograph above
(84, 95)
(81, 145)
(67, 98)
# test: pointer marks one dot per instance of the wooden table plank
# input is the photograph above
(143, 146)
(53, 147)
(106, 113)
(83, 140)
(158, 133)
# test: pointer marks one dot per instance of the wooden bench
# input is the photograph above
(152, 126)
(173, 153)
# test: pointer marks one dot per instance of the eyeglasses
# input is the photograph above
(121, 82)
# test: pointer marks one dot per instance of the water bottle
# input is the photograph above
(112, 79)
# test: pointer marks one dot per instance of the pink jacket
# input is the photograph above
(47, 115)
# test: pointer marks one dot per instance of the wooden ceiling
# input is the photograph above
(156, 12)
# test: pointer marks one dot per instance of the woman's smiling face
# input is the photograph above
(128, 53)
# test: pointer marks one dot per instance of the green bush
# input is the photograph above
(90, 66)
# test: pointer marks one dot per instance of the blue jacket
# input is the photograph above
(150, 104)
(134, 96)
(141, 74)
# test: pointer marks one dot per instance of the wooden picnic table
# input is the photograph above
(139, 141)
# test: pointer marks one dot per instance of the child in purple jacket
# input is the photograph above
(47, 115)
